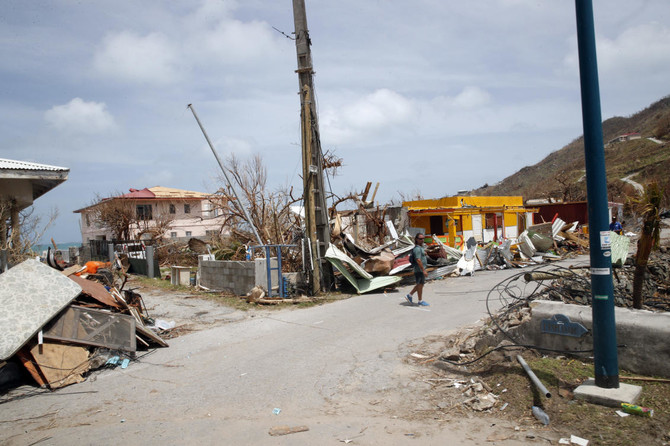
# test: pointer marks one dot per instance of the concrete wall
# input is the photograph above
(644, 333)
(261, 274)
(228, 275)
(238, 277)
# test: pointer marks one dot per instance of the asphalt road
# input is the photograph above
(336, 369)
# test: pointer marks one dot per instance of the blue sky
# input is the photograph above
(425, 97)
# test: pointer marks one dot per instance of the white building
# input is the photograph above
(188, 214)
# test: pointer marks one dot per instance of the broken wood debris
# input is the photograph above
(57, 326)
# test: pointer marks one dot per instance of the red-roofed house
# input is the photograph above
(188, 213)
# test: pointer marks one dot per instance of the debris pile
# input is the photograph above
(59, 325)
(576, 289)
(385, 265)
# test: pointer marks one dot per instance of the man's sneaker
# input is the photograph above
(423, 303)
(409, 298)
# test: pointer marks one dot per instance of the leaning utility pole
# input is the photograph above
(316, 212)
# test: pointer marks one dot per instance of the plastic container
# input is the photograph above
(637, 410)
(541, 415)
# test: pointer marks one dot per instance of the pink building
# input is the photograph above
(184, 213)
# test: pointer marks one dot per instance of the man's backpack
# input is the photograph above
(412, 258)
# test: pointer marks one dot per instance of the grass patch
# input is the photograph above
(228, 299)
(561, 375)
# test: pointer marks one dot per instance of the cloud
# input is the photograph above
(639, 49)
(636, 52)
(232, 146)
(472, 97)
(149, 59)
(80, 117)
(380, 110)
(232, 42)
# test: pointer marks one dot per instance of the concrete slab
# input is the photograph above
(626, 393)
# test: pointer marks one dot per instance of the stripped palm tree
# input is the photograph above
(649, 205)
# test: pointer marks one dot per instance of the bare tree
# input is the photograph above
(155, 228)
(269, 211)
(20, 231)
(115, 213)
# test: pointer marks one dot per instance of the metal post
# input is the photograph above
(604, 328)
(4, 264)
(216, 155)
(149, 252)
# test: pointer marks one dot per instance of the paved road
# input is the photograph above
(337, 369)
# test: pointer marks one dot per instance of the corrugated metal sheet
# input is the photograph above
(24, 165)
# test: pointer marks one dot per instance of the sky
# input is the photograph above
(427, 97)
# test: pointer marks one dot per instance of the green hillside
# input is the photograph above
(561, 174)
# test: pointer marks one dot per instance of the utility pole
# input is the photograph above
(230, 184)
(605, 357)
(316, 211)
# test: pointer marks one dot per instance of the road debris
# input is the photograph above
(60, 324)
(286, 430)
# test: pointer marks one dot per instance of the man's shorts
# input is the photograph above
(419, 277)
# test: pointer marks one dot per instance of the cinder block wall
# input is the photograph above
(238, 277)
(228, 275)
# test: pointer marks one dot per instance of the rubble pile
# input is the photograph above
(655, 290)
(59, 325)
(367, 269)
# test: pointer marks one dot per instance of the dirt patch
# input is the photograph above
(496, 387)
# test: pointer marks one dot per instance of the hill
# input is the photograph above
(561, 175)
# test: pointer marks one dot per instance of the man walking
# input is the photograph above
(615, 226)
(420, 262)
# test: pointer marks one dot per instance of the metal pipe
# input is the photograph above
(546, 275)
(216, 155)
(533, 377)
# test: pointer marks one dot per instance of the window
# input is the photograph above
(173, 209)
(493, 220)
(188, 233)
(88, 220)
(187, 209)
(144, 212)
(211, 232)
(206, 209)
(173, 234)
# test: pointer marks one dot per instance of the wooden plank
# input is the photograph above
(27, 360)
(60, 364)
(285, 430)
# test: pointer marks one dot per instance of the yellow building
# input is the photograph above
(461, 217)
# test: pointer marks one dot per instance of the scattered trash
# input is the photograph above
(286, 430)
(276, 411)
(622, 414)
(578, 440)
(637, 410)
(164, 325)
(540, 415)
(504, 406)
(59, 323)
(482, 402)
